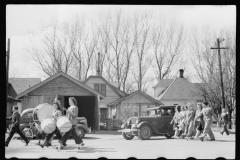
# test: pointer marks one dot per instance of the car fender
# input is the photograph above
(83, 126)
(147, 123)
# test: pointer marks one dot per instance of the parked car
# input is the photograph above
(27, 119)
(155, 123)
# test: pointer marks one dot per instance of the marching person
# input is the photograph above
(175, 120)
(190, 119)
(181, 125)
(207, 112)
(15, 126)
(199, 122)
(55, 115)
(62, 108)
(72, 114)
(224, 118)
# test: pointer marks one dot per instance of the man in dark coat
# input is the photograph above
(15, 126)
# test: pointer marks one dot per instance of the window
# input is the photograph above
(103, 89)
(96, 87)
(100, 88)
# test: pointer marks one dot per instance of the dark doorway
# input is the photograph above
(86, 108)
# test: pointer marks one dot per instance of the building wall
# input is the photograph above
(60, 86)
(109, 91)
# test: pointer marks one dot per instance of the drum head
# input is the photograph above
(44, 111)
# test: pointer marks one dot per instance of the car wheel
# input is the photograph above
(81, 132)
(28, 133)
(168, 136)
(145, 132)
(127, 137)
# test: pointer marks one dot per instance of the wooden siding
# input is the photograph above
(31, 101)
(95, 80)
(61, 86)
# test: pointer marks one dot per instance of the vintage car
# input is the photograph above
(27, 119)
(155, 123)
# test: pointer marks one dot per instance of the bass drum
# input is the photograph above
(64, 124)
(48, 125)
(42, 111)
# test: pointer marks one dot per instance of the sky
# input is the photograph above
(24, 21)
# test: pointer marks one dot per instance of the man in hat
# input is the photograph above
(15, 126)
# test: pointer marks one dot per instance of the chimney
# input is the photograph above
(181, 73)
(98, 68)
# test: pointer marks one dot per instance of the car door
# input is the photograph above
(162, 122)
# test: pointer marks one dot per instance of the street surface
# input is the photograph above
(111, 144)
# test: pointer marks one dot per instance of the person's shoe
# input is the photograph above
(41, 145)
(221, 133)
(27, 143)
(64, 144)
(48, 144)
(6, 145)
(201, 138)
(212, 139)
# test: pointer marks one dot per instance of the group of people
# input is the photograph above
(196, 124)
(59, 110)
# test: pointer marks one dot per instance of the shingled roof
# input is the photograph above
(163, 83)
(22, 84)
(180, 89)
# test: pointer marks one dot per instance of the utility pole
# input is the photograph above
(7, 59)
(220, 67)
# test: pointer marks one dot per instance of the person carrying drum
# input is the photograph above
(15, 126)
(72, 114)
(56, 113)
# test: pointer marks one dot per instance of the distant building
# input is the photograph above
(178, 91)
(15, 87)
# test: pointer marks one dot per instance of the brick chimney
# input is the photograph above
(181, 73)
(98, 68)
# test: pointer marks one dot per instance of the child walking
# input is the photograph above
(224, 118)
(176, 120)
(199, 122)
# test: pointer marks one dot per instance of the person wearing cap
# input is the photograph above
(208, 113)
(16, 118)
(224, 118)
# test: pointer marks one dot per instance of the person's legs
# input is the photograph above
(22, 136)
(190, 129)
(211, 135)
(11, 133)
(77, 139)
(65, 137)
(226, 130)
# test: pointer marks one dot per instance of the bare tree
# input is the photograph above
(206, 64)
(168, 43)
(144, 59)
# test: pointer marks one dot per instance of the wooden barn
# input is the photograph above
(64, 86)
